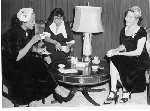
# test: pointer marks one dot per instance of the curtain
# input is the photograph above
(112, 18)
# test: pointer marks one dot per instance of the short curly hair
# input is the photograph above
(56, 12)
(140, 17)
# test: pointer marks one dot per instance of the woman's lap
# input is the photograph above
(36, 82)
(131, 71)
(55, 54)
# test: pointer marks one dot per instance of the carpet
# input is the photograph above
(137, 100)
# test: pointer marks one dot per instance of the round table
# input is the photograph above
(84, 79)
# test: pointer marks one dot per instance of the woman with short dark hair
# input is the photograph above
(61, 38)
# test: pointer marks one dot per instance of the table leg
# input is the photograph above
(86, 95)
(95, 90)
(84, 91)
(148, 92)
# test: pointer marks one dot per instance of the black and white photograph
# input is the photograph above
(75, 54)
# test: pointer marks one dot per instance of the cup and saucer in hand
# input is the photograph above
(44, 34)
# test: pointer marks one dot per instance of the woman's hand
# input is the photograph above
(58, 46)
(112, 52)
(109, 53)
(40, 44)
(47, 39)
(67, 49)
(116, 53)
(35, 39)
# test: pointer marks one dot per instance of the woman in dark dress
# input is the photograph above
(128, 62)
(61, 35)
(35, 80)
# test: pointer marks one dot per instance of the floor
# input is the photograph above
(138, 100)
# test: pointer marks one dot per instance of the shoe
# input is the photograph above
(61, 99)
(124, 100)
(109, 100)
(58, 97)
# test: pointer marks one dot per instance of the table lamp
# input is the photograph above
(87, 20)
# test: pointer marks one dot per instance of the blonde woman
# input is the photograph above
(128, 62)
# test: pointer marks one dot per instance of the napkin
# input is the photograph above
(68, 70)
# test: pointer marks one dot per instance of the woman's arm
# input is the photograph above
(138, 51)
(120, 48)
(115, 51)
(24, 50)
(70, 39)
(48, 39)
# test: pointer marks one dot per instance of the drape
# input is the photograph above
(112, 18)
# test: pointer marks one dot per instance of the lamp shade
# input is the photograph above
(87, 19)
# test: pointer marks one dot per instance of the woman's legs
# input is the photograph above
(114, 74)
(114, 77)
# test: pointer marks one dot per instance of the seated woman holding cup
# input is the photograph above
(33, 79)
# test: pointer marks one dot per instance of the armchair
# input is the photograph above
(148, 70)
(7, 73)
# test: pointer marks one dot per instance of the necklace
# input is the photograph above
(131, 31)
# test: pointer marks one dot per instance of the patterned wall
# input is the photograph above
(112, 18)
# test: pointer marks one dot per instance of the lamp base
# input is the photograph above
(86, 58)
(87, 47)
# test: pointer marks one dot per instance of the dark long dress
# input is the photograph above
(34, 79)
(58, 55)
(132, 68)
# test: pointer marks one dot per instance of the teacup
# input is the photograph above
(94, 67)
(63, 48)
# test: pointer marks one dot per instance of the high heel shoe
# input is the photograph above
(124, 100)
(61, 99)
(58, 97)
(109, 100)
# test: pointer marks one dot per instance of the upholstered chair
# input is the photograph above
(148, 70)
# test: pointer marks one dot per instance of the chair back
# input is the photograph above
(39, 26)
(148, 41)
